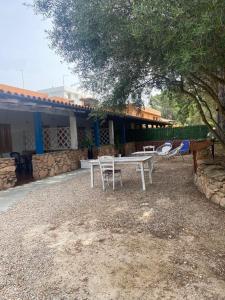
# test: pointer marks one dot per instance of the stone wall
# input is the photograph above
(7, 173)
(107, 150)
(104, 150)
(129, 148)
(219, 151)
(54, 163)
(111, 150)
(210, 180)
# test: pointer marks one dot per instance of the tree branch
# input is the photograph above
(208, 89)
(201, 111)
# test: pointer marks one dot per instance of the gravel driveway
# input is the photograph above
(68, 241)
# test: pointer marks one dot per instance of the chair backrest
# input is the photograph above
(149, 148)
(175, 151)
(164, 149)
(185, 146)
(106, 163)
(16, 155)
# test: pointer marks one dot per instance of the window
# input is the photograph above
(5, 138)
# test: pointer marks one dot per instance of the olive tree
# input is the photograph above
(122, 47)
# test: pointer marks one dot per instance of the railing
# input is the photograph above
(197, 132)
(57, 138)
(104, 136)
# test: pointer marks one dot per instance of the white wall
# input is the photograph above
(22, 127)
(21, 123)
(64, 92)
(51, 120)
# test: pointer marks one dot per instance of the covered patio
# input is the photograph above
(49, 136)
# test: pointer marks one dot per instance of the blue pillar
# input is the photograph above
(97, 133)
(123, 132)
(38, 133)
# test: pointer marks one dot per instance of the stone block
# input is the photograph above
(210, 179)
(43, 174)
(7, 173)
(222, 202)
(7, 169)
(51, 164)
(223, 188)
(216, 199)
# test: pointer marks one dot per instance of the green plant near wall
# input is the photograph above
(118, 145)
(87, 143)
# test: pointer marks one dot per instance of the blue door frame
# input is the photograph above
(123, 132)
(38, 133)
(97, 133)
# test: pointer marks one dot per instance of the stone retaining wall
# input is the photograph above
(7, 173)
(111, 150)
(106, 150)
(129, 148)
(54, 163)
(210, 180)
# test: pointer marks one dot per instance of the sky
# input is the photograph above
(25, 50)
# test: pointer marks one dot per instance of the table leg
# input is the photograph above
(195, 161)
(143, 176)
(150, 169)
(92, 176)
(153, 162)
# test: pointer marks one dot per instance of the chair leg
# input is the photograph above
(103, 182)
(121, 183)
(107, 178)
(113, 181)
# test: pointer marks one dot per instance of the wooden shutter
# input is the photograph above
(5, 138)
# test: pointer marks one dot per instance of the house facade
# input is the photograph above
(44, 136)
(71, 94)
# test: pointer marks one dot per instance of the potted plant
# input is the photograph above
(119, 146)
(87, 143)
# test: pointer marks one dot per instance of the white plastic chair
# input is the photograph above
(174, 152)
(149, 148)
(164, 149)
(108, 171)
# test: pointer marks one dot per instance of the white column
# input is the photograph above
(111, 132)
(73, 131)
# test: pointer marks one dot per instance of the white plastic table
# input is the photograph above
(129, 160)
(145, 153)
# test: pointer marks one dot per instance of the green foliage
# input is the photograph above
(87, 143)
(176, 107)
(121, 47)
(198, 132)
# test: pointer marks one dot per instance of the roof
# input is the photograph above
(19, 91)
(145, 113)
(37, 96)
(7, 90)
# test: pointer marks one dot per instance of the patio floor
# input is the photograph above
(65, 240)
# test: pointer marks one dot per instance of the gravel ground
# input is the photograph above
(69, 241)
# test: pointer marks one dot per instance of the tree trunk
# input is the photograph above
(220, 113)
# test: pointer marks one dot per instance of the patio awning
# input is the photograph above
(26, 100)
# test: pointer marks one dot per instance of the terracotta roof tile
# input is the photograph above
(19, 91)
(44, 97)
(37, 95)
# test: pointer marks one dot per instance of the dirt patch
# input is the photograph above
(69, 241)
